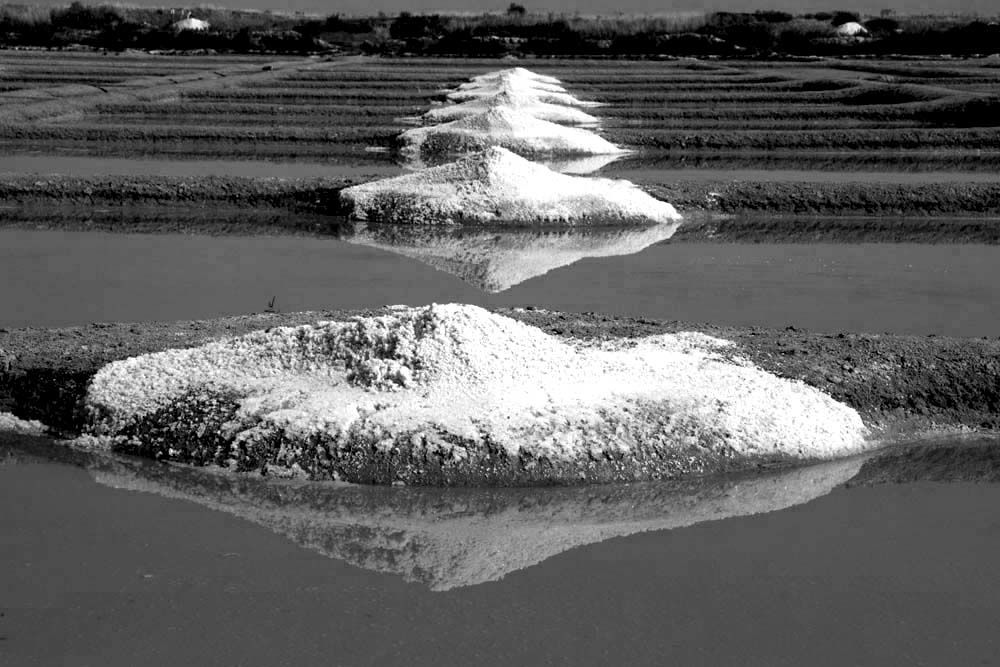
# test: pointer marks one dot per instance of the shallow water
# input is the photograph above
(891, 575)
(55, 278)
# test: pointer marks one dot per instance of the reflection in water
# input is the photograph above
(448, 538)
(496, 259)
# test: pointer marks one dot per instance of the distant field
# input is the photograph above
(836, 114)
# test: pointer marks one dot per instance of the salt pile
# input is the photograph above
(496, 185)
(497, 259)
(526, 102)
(508, 127)
(456, 388)
(13, 424)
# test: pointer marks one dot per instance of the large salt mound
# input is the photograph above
(453, 392)
(497, 259)
(511, 128)
(498, 186)
(418, 534)
(554, 113)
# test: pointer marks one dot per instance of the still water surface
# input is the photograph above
(55, 278)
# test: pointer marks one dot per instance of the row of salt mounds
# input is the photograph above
(13, 424)
(510, 127)
(514, 109)
(495, 259)
(454, 394)
(510, 81)
(496, 185)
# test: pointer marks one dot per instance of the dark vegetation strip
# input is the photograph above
(872, 199)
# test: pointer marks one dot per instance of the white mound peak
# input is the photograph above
(496, 185)
(457, 382)
(507, 81)
(526, 102)
(495, 259)
(508, 127)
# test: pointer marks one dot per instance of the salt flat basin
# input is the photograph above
(57, 278)
(853, 576)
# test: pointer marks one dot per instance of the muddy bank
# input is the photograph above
(762, 227)
(939, 209)
(901, 385)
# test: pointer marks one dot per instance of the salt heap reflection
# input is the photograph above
(450, 538)
(495, 259)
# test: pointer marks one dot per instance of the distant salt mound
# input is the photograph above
(577, 164)
(454, 389)
(12, 424)
(510, 128)
(513, 72)
(417, 534)
(497, 259)
(496, 185)
(196, 25)
(526, 102)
